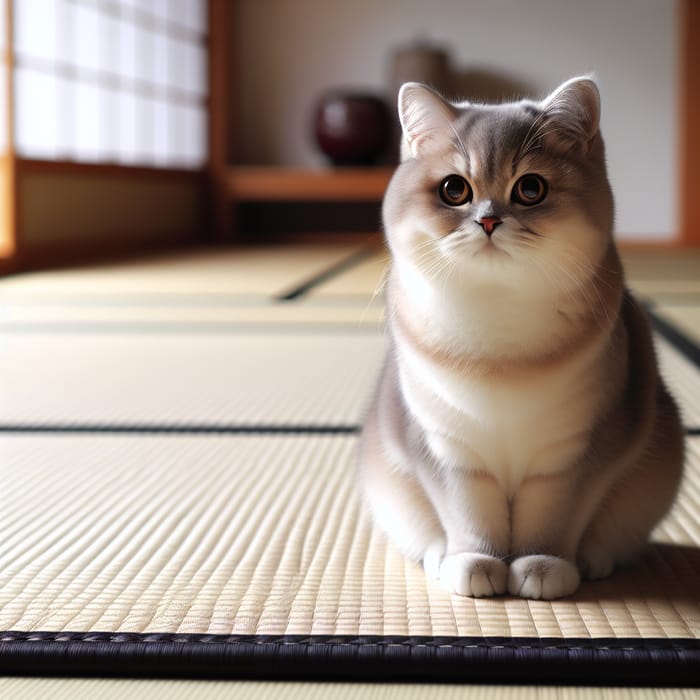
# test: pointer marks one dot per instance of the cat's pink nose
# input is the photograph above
(489, 223)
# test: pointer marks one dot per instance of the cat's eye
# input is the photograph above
(455, 190)
(529, 190)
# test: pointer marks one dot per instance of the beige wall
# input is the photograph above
(74, 209)
(287, 52)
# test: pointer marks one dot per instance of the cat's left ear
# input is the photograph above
(425, 116)
(575, 108)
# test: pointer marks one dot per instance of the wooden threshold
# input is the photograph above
(267, 183)
(65, 167)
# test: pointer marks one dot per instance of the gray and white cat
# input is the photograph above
(520, 435)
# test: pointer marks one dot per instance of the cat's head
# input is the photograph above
(513, 194)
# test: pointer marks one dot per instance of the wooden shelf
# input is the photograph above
(275, 184)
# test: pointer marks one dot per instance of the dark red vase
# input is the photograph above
(352, 128)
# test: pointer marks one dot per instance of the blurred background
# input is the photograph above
(133, 124)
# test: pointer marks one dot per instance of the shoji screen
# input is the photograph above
(111, 81)
(107, 152)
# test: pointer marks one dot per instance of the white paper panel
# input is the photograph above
(197, 15)
(161, 127)
(127, 129)
(145, 129)
(65, 117)
(126, 43)
(195, 69)
(125, 98)
(36, 114)
(87, 26)
(88, 114)
(35, 28)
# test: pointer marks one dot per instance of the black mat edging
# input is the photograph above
(181, 429)
(327, 274)
(649, 662)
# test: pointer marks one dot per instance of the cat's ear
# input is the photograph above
(575, 109)
(424, 116)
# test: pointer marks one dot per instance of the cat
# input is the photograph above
(520, 436)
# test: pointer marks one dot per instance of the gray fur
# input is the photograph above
(520, 435)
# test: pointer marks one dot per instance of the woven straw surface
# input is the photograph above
(261, 272)
(685, 317)
(175, 378)
(280, 376)
(89, 689)
(267, 535)
(249, 534)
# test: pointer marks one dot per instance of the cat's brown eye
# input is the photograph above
(529, 190)
(455, 190)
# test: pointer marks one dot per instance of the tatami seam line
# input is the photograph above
(200, 429)
(679, 340)
(180, 429)
(327, 274)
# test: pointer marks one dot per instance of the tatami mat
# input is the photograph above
(246, 378)
(300, 316)
(147, 537)
(181, 378)
(264, 272)
(265, 535)
(686, 318)
(89, 689)
(683, 379)
(366, 279)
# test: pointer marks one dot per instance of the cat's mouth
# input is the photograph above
(490, 247)
(477, 244)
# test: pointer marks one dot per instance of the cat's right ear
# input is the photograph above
(424, 115)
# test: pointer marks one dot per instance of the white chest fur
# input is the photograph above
(512, 428)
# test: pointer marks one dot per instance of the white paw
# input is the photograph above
(433, 558)
(595, 563)
(476, 575)
(542, 577)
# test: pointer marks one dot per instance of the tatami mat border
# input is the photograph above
(184, 429)
(342, 266)
(175, 327)
(651, 662)
(204, 429)
(677, 338)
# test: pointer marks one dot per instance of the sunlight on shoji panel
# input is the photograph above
(35, 33)
(123, 81)
(84, 50)
(36, 122)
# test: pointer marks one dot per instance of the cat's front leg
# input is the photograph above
(544, 566)
(475, 517)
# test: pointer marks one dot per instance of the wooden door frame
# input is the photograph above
(221, 222)
(689, 140)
